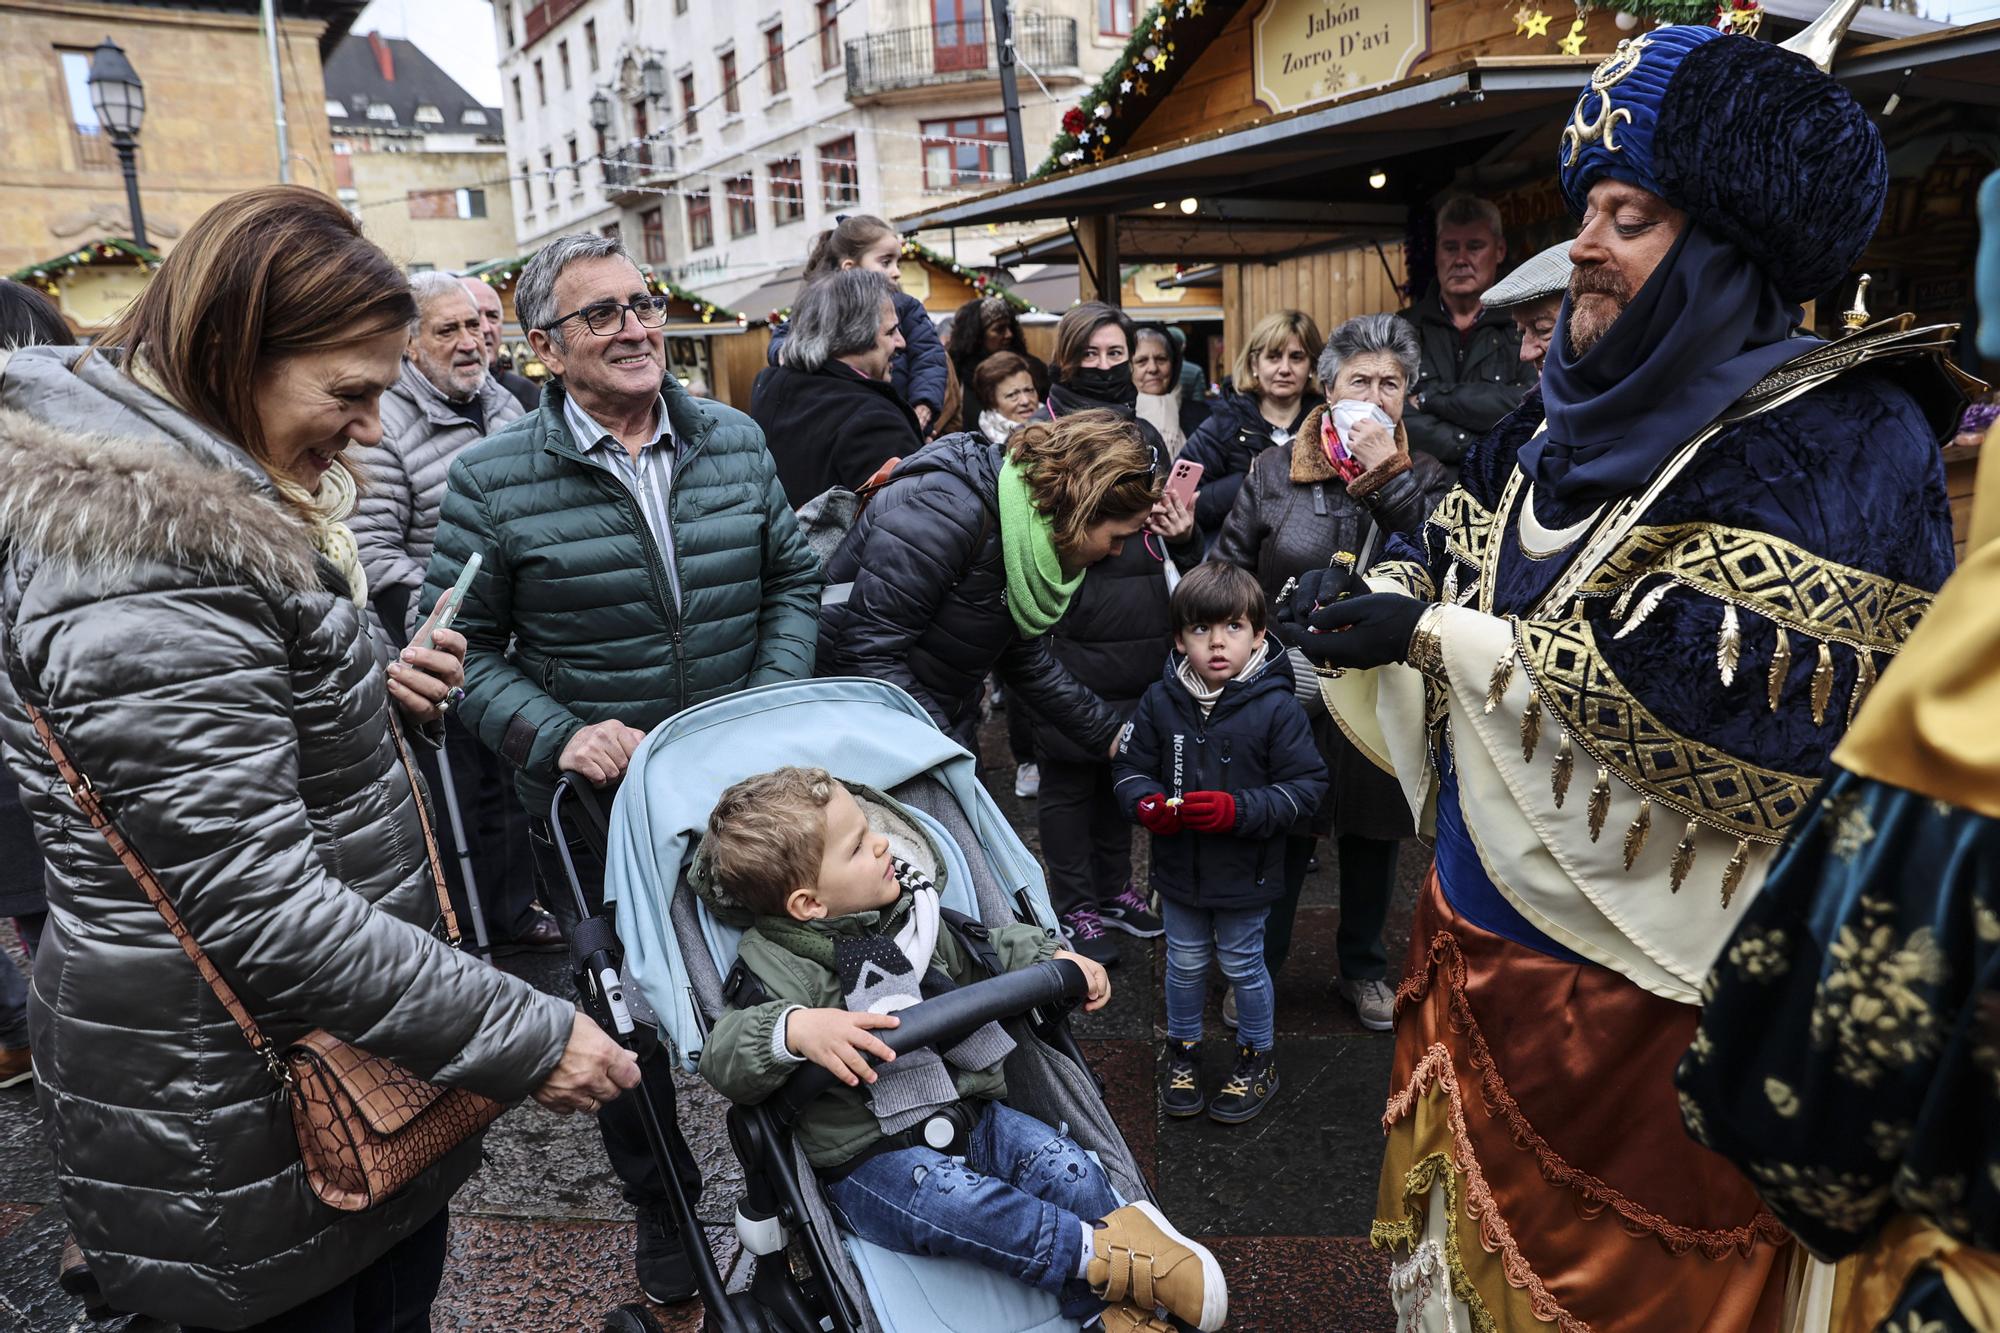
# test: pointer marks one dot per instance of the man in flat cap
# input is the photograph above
(1609, 676)
(1532, 295)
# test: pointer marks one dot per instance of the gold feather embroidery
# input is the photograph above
(1600, 803)
(1647, 605)
(1618, 608)
(1503, 676)
(1450, 580)
(1781, 665)
(1732, 874)
(1531, 727)
(1683, 859)
(1864, 681)
(1471, 591)
(1728, 644)
(1635, 836)
(1822, 684)
(1565, 768)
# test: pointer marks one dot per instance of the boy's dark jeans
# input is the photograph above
(619, 1121)
(1086, 838)
(1367, 882)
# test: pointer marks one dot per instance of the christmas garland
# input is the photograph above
(1729, 15)
(45, 274)
(1085, 126)
(499, 272)
(982, 283)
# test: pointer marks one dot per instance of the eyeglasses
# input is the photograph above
(605, 318)
(1146, 473)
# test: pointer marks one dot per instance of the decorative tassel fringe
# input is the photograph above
(1565, 768)
(1647, 605)
(1781, 665)
(1683, 859)
(1732, 874)
(1822, 684)
(1450, 581)
(1635, 836)
(1624, 602)
(1600, 803)
(1728, 644)
(1503, 675)
(1864, 681)
(1531, 727)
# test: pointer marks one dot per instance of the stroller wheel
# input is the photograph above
(631, 1319)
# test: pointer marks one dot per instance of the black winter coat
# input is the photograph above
(830, 427)
(1257, 746)
(21, 869)
(1466, 385)
(1116, 632)
(1225, 445)
(928, 609)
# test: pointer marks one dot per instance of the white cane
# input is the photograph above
(465, 875)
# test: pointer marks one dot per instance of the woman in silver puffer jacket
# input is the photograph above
(180, 598)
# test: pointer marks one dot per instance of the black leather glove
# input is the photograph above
(1314, 592)
(1367, 631)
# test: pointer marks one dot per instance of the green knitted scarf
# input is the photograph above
(1037, 590)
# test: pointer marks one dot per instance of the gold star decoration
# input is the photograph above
(1160, 63)
(1139, 85)
(1538, 24)
(1521, 17)
(1196, 6)
(1097, 153)
(1572, 45)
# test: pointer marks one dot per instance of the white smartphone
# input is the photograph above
(447, 606)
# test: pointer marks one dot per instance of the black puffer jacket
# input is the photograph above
(1465, 384)
(1255, 744)
(928, 609)
(830, 427)
(1226, 444)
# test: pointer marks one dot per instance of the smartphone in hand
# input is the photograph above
(1182, 481)
(447, 606)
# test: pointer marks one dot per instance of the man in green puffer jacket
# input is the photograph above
(638, 557)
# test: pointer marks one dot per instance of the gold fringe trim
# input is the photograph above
(1728, 644)
(1781, 665)
(1450, 581)
(1635, 836)
(1503, 675)
(1564, 770)
(1647, 605)
(1822, 684)
(1531, 727)
(1600, 802)
(1732, 874)
(1683, 859)
(1864, 681)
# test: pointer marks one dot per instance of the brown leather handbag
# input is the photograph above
(366, 1126)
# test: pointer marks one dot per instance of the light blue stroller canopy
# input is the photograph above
(677, 951)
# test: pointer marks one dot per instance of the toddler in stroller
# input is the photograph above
(925, 1158)
(680, 934)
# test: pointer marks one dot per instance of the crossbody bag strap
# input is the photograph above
(430, 838)
(86, 798)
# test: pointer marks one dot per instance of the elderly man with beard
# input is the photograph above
(443, 401)
(490, 318)
(1609, 674)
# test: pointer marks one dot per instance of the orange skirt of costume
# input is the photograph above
(1533, 1097)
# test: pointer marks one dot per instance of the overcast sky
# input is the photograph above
(457, 34)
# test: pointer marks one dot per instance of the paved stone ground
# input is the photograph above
(541, 1241)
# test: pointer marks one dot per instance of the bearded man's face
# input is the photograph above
(1626, 232)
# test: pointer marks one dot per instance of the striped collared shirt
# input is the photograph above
(649, 477)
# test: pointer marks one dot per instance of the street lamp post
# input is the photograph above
(120, 100)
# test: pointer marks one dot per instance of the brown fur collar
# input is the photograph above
(106, 504)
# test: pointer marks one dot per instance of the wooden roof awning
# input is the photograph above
(1956, 65)
(1224, 230)
(1483, 97)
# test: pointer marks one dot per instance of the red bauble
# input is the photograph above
(1074, 120)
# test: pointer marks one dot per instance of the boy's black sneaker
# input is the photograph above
(1181, 1095)
(1132, 913)
(1249, 1089)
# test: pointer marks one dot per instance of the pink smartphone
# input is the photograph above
(1183, 480)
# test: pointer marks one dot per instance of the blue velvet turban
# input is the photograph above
(1752, 141)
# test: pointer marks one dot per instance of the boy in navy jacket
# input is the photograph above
(1218, 764)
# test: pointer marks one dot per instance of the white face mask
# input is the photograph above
(1351, 412)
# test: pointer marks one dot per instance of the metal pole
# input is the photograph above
(128, 159)
(1010, 93)
(463, 846)
(277, 91)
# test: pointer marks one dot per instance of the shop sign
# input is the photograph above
(1307, 51)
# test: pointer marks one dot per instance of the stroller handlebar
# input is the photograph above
(946, 1019)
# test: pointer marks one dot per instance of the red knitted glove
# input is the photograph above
(1159, 817)
(1208, 811)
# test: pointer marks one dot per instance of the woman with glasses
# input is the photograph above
(1114, 639)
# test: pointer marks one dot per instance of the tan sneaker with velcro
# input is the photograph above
(1141, 1261)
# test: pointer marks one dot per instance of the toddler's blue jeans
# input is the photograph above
(1195, 938)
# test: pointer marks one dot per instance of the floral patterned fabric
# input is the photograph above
(1848, 1056)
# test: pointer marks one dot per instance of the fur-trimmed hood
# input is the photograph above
(101, 475)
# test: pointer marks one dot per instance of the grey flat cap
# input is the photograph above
(1547, 274)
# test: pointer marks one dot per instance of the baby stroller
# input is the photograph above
(678, 953)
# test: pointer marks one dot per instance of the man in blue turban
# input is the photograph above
(1609, 674)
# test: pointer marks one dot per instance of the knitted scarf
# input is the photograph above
(1038, 592)
(1206, 694)
(881, 967)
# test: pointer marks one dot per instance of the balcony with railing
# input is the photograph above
(637, 164)
(958, 52)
